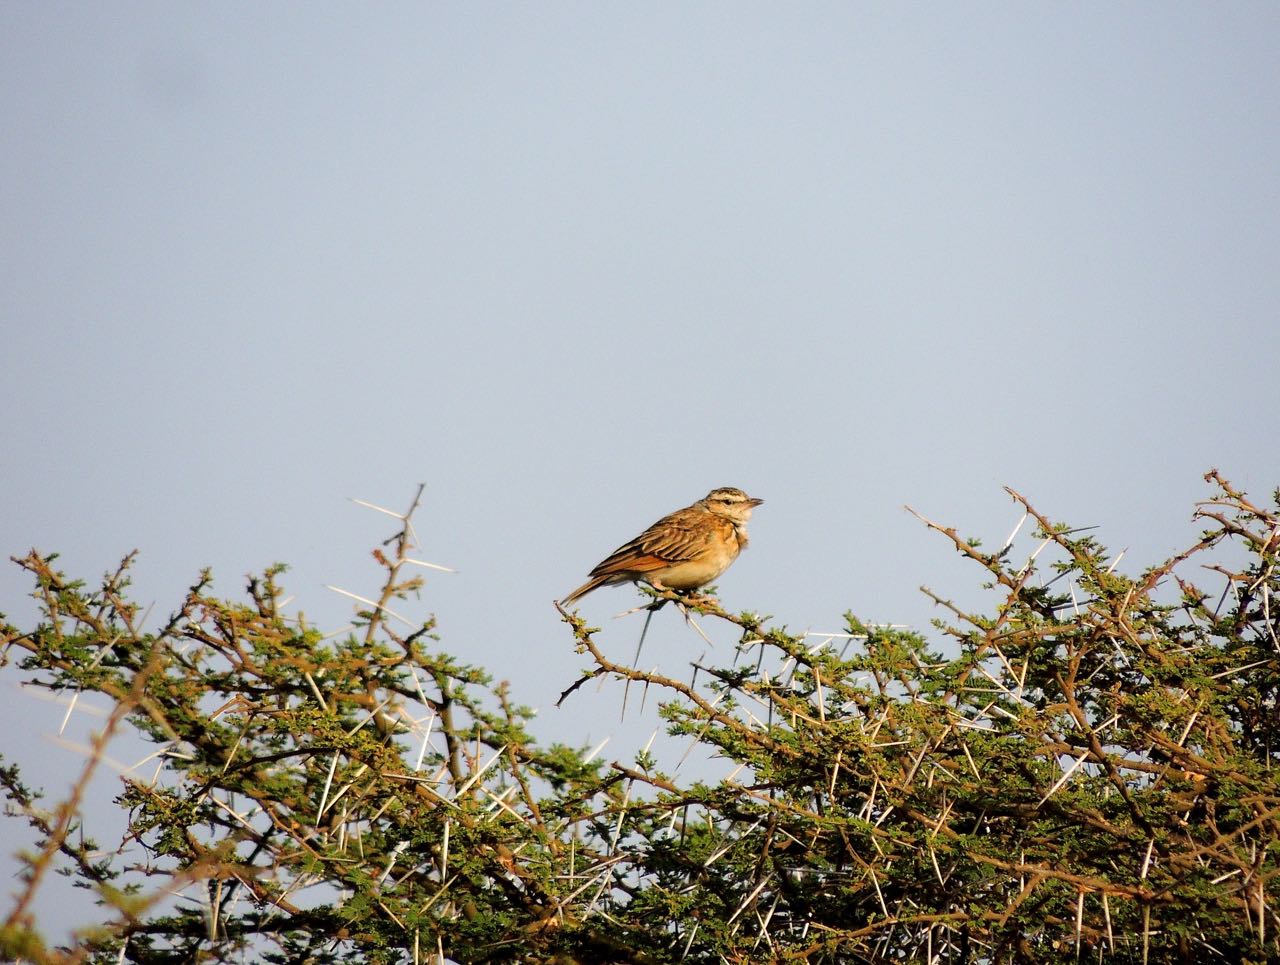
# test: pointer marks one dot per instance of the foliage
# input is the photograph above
(1091, 774)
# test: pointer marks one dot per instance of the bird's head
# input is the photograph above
(731, 503)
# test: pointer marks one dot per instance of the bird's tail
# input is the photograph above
(592, 584)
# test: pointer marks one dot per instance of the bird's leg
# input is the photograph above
(699, 596)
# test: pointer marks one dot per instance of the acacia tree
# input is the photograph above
(1088, 774)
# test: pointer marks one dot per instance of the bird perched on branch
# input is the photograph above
(682, 551)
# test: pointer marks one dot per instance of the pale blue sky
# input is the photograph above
(573, 265)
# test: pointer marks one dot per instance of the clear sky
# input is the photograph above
(573, 265)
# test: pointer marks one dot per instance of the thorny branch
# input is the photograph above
(1089, 770)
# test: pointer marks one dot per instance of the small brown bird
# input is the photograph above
(682, 551)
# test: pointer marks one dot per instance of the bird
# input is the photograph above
(684, 550)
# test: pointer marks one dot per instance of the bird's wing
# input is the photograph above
(672, 539)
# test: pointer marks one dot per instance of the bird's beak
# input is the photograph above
(754, 502)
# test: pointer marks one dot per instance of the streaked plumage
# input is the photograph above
(682, 551)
